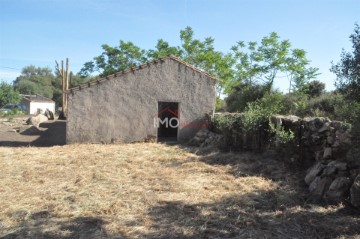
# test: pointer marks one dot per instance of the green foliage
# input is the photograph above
(200, 53)
(115, 59)
(349, 112)
(315, 88)
(10, 115)
(250, 63)
(8, 95)
(78, 79)
(251, 128)
(36, 80)
(260, 111)
(162, 49)
(243, 94)
(228, 122)
(330, 105)
(348, 69)
(284, 136)
(220, 105)
(263, 63)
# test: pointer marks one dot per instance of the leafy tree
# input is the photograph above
(243, 94)
(77, 79)
(348, 83)
(263, 63)
(250, 63)
(201, 54)
(298, 72)
(348, 69)
(315, 88)
(8, 95)
(115, 59)
(36, 80)
(162, 49)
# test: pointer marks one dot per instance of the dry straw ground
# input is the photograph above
(158, 191)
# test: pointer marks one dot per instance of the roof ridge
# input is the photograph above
(31, 97)
(139, 67)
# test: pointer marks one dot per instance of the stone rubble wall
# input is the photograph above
(206, 138)
(335, 173)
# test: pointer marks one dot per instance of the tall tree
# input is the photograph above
(200, 53)
(162, 49)
(8, 94)
(262, 63)
(315, 88)
(35, 80)
(348, 69)
(115, 59)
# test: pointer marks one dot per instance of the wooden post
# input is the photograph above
(63, 85)
(66, 83)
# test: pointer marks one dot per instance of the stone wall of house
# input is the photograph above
(122, 107)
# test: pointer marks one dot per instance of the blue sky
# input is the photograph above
(40, 32)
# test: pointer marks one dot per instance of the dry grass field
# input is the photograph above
(158, 191)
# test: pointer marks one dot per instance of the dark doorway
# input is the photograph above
(168, 121)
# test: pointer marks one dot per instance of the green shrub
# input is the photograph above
(220, 105)
(330, 105)
(284, 136)
(260, 111)
(13, 112)
(244, 94)
(251, 128)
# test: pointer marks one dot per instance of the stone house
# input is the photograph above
(166, 99)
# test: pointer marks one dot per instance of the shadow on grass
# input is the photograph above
(232, 218)
(48, 226)
(285, 212)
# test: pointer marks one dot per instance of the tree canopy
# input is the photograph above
(262, 63)
(245, 69)
(200, 53)
(8, 95)
(246, 63)
(347, 69)
(36, 80)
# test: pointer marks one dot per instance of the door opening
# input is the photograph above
(168, 121)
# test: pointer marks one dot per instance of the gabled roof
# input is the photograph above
(135, 68)
(37, 98)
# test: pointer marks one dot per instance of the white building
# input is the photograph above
(34, 104)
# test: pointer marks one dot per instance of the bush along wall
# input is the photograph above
(312, 141)
(237, 136)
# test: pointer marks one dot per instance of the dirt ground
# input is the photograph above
(50, 133)
(149, 190)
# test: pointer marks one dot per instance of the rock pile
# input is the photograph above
(332, 180)
(206, 138)
(326, 139)
(333, 176)
(36, 120)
